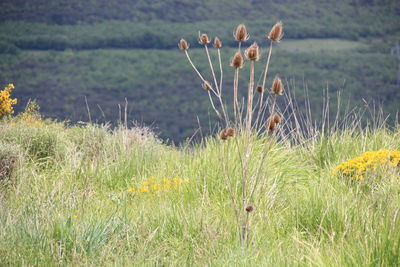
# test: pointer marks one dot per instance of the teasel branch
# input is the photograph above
(220, 88)
(203, 39)
(237, 63)
(204, 81)
(213, 106)
(218, 45)
(183, 45)
(248, 148)
(235, 96)
(253, 54)
(275, 35)
(261, 104)
(209, 61)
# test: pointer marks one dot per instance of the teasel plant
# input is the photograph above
(248, 115)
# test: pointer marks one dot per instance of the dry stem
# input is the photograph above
(263, 85)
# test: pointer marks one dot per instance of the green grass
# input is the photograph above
(66, 203)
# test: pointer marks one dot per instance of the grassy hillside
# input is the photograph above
(61, 51)
(162, 89)
(68, 200)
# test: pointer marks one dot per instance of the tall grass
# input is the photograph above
(71, 206)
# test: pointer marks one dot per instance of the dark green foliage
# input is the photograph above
(81, 24)
(163, 91)
(159, 84)
(7, 48)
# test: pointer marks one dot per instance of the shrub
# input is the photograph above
(41, 143)
(6, 103)
(357, 167)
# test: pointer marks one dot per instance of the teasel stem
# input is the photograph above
(220, 87)
(273, 105)
(250, 97)
(193, 66)
(258, 176)
(220, 69)
(213, 106)
(218, 93)
(201, 77)
(196, 70)
(263, 85)
(236, 107)
(212, 68)
(235, 96)
(248, 148)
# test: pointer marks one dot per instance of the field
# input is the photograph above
(72, 200)
(111, 153)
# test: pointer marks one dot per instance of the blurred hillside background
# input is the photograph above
(60, 51)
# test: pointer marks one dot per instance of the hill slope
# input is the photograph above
(50, 51)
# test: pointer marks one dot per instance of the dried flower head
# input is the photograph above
(253, 52)
(276, 32)
(183, 45)
(270, 124)
(203, 39)
(249, 208)
(230, 131)
(237, 60)
(223, 135)
(217, 43)
(277, 118)
(206, 85)
(259, 89)
(241, 34)
(277, 86)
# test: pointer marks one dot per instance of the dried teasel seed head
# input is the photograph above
(206, 85)
(203, 39)
(237, 60)
(277, 118)
(223, 135)
(276, 32)
(230, 131)
(249, 208)
(241, 34)
(217, 43)
(183, 45)
(253, 52)
(270, 124)
(13, 160)
(277, 86)
(259, 89)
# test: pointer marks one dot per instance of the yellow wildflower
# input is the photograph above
(6, 103)
(154, 185)
(356, 167)
(142, 189)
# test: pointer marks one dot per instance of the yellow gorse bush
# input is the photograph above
(6, 103)
(154, 185)
(31, 116)
(355, 168)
